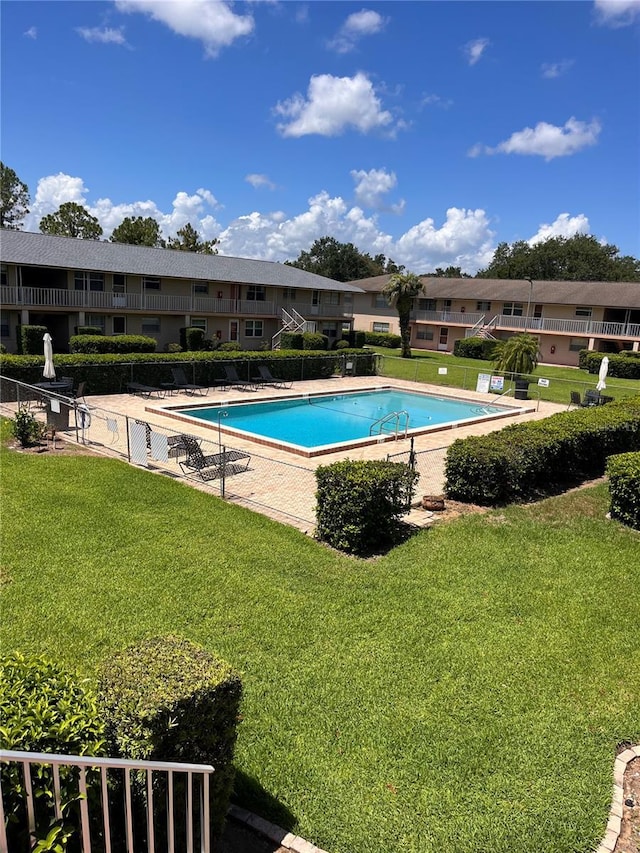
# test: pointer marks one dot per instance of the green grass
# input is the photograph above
(463, 373)
(466, 692)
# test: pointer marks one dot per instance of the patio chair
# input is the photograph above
(576, 400)
(78, 393)
(267, 378)
(234, 380)
(181, 383)
(591, 398)
(212, 466)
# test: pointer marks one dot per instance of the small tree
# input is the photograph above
(518, 354)
(138, 231)
(71, 220)
(188, 240)
(14, 199)
(400, 292)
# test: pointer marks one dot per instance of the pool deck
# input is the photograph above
(263, 478)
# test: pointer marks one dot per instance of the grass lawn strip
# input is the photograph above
(465, 692)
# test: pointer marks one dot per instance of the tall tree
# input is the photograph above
(14, 199)
(71, 220)
(401, 290)
(342, 261)
(578, 258)
(138, 231)
(188, 240)
(449, 272)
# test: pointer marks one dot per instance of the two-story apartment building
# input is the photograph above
(565, 316)
(63, 283)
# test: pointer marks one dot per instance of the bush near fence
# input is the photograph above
(382, 339)
(359, 504)
(625, 365)
(109, 373)
(111, 344)
(168, 699)
(481, 348)
(529, 460)
(623, 471)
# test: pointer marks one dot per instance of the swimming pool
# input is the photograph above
(323, 423)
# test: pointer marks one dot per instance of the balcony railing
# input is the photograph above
(95, 780)
(462, 318)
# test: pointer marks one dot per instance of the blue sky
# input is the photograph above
(426, 131)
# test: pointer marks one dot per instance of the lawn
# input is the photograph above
(463, 373)
(465, 692)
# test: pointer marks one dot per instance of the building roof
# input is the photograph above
(42, 250)
(610, 294)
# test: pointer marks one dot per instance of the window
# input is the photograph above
(446, 305)
(149, 283)
(150, 325)
(332, 298)
(315, 297)
(3, 275)
(289, 293)
(253, 328)
(424, 333)
(512, 309)
(426, 304)
(256, 293)
(119, 283)
(380, 327)
(88, 280)
(200, 289)
(199, 323)
(330, 330)
(537, 312)
(583, 311)
(380, 301)
(119, 325)
(482, 305)
(576, 344)
(97, 320)
(4, 327)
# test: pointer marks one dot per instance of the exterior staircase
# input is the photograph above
(292, 321)
(483, 329)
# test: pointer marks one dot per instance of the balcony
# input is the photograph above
(461, 318)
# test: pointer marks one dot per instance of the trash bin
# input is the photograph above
(58, 420)
(521, 390)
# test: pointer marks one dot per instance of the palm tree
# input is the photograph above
(400, 291)
(517, 355)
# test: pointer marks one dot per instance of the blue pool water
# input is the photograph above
(315, 421)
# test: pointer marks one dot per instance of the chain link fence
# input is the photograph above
(428, 464)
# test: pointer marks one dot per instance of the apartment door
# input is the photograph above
(234, 329)
(443, 340)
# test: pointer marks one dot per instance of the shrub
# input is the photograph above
(623, 471)
(292, 340)
(382, 339)
(623, 366)
(169, 699)
(359, 339)
(482, 348)
(43, 708)
(30, 339)
(173, 347)
(343, 344)
(524, 461)
(26, 428)
(359, 504)
(314, 341)
(230, 346)
(191, 338)
(88, 330)
(111, 344)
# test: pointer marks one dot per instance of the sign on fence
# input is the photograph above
(482, 385)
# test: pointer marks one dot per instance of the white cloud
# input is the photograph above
(333, 105)
(372, 185)
(464, 239)
(258, 181)
(31, 33)
(474, 49)
(616, 13)
(359, 24)
(435, 100)
(564, 225)
(104, 35)
(210, 21)
(545, 140)
(551, 70)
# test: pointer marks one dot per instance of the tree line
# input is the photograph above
(579, 258)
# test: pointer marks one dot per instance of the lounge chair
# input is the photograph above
(214, 465)
(234, 380)
(180, 383)
(267, 378)
(144, 390)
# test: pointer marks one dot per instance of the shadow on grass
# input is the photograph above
(249, 793)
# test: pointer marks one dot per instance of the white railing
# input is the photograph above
(307, 309)
(462, 317)
(103, 772)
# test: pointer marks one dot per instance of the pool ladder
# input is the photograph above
(398, 421)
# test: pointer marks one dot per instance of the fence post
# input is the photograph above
(223, 476)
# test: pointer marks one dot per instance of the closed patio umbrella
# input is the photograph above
(49, 371)
(602, 375)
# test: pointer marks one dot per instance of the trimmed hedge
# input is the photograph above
(482, 348)
(168, 699)
(359, 504)
(96, 344)
(109, 373)
(88, 330)
(623, 471)
(292, 340)
(43, 708)
(314, 341)
(30, 339)
(528, 460)
(625, 365)
(191, 338)
(382, 339)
